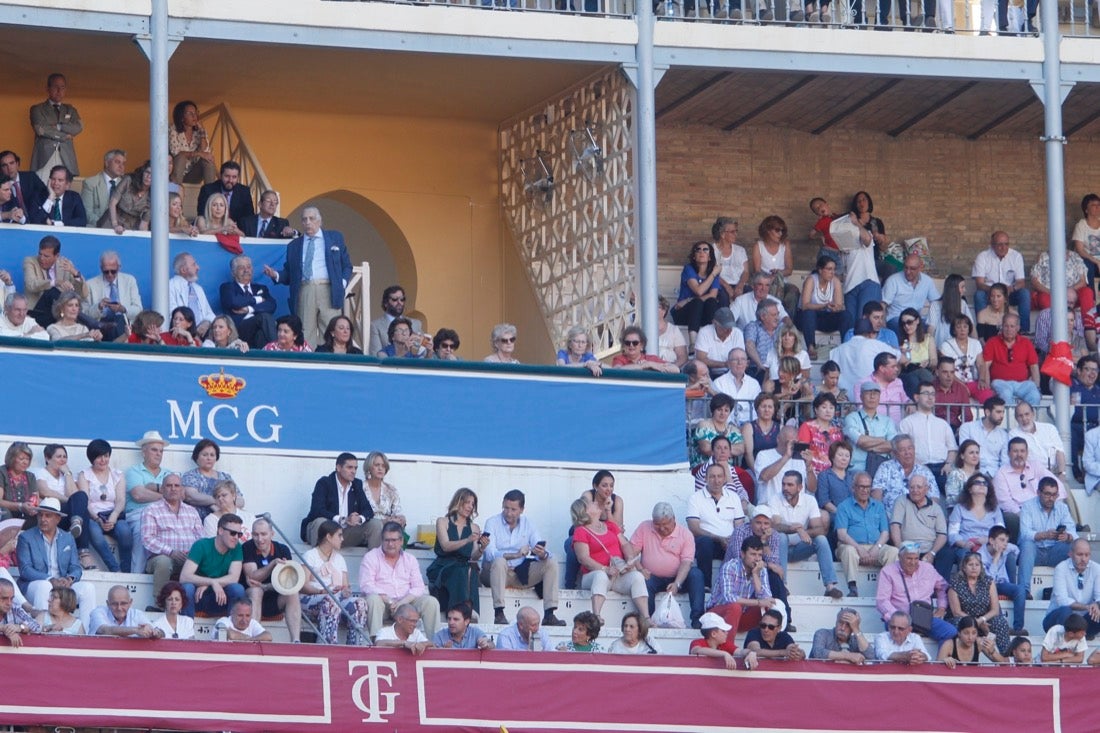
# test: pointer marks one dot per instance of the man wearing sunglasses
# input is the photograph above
(393, 305)
(112, 296)
(211, 575)
(769, 642)
(1046, 531)
(1018, 482)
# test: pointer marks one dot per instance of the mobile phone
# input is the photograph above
(541, 543)
(800, 447)
(485, 535)
(1060, 528)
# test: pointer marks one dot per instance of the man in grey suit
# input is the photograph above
(97, 189)
(393, 305)
(55, 125)
(48, 559)
(113, 296)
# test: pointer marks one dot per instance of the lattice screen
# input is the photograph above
(576, 242)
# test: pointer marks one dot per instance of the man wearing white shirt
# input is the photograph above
(798, 517)
(516, 557)
(744, 306)
(1002, 264)
(96, 190)
(711, 516)
(932, 437)
(1044, 444)
(16, 322)
(774, 462)
(988, 434)
(738, 385)
(239, 625)
(184, 291)
(714, 341)
(856, 357)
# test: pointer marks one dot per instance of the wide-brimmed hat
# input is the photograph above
(152, 436)
(51, 504)
(289, 577)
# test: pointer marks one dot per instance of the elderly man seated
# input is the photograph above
(714, 341)
(744, 306)
(762, 338)
(404, 632)
(14, 621)
(892, 478)
(390, 578)
(460, 633)
(120, 618)
(869, 432)
(898, 643)
(799, 518)
(845, 642)
(907, 581)
(239, 625)
(668, 558)
(48, 559)
(15, 321)
(526, 634)
(861, 532)
(1076, 590)
(1010, 364)
(739, 385)
(918, 519)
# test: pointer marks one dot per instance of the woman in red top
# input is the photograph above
(607, 558)
(820, 432)
(183, 331)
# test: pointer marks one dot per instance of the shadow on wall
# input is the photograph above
(371, 236)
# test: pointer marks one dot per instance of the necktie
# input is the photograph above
(19, 195)
(193, 299)
(248, 290)
(307, 265)
(263, 228)
(57, 109)
(57, 210)
(112, 184)
(112, 296)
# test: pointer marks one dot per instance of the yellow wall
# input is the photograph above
(437, 179)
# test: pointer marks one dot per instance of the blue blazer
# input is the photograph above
(34, 563)
(73, 213)
(336, 261)
(233, 297)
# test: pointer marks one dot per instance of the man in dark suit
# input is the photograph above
(249, 304)
(317, 270)
(265, 224)
(35, 576)
(62, 207)
(339, 497)
(28, 191)
(229, 185)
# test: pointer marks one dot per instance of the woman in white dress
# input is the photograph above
(173, 623)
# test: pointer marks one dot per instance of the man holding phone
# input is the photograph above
(771, 464)
(113, 296)
(516, 557)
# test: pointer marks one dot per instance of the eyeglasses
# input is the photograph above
(1010, 353)
(632, 342)
(978, 483)
(862, 486)
(898, 628)
(1023, 482)
(234, 532)
(702, 248)
(507, 339)
(448, 345)
(908, 322)
(110, 272)
(770, 627)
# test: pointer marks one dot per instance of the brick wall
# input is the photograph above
(952, 190)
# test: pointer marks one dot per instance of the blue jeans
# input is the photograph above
(207, 604)
(811, 321)
(859, 296)
(1021, 299)
(1031, 555)
(820, 547)
(693, 584)
(1058, 616)
(123, 536)
(1018, 594)
(707, 550)
(138, 555)
(1013, 392)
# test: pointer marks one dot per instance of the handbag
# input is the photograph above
(920, 612)
(874, 460)
(667, 614)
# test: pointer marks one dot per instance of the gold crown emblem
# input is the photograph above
(221, 386)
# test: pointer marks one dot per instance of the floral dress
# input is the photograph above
(977, 604)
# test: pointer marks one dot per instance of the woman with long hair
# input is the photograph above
(459, 542)
(701, 292)
(952, 304)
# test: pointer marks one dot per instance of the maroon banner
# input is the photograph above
(283, 687)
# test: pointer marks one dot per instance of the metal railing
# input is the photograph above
(228, 143)
(579, 7)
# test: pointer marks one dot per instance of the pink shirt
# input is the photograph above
(401, 579)
(662, 556)
(923, 584)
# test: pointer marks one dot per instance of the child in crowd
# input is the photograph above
(829, 247)
(1065, 644)
(717, 643)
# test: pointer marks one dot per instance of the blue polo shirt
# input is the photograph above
(864, 525)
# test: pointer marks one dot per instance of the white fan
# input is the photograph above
(538, 178)
(587, 154)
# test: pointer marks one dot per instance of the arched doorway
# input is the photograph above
(372, 236)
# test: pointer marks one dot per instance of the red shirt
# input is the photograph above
(1011, 364)
(729, 646)
(822, 226)
(622, 360)
(957, 395)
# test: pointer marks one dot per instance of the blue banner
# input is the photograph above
(474, 412)
(83, 247)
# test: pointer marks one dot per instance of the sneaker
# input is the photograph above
(834, 592)
(930, 22)
(499, 618)
(1019, 632)
(696, 625)
(549, 619)
(792, 629)
(76, 527)
(853, 593)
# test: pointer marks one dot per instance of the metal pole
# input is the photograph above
(646, 120)
(1056, 199)
(158, 151)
